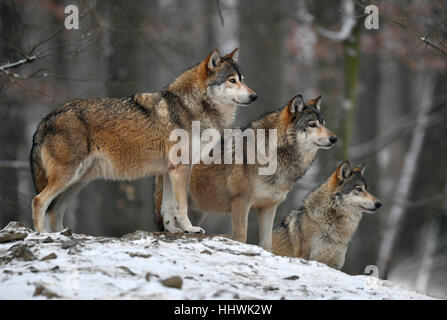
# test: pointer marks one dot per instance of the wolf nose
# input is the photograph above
(378, 204)
(253, 97)
(333, 139)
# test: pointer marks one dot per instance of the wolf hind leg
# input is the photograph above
(59, 205)
(55, 186)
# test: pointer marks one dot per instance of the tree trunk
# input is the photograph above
(351, 75)
(407, 175)
(11, 117)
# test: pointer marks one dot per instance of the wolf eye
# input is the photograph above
(359, 189)
(232, 80)
(312, 124)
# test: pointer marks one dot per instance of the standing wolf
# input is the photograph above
(128, 138)
(322, 229)
(237, 188)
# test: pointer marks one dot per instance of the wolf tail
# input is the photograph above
(158, 197)
(38, 174)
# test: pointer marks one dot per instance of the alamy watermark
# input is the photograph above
(372, 18)
(206, 147)
(72, 20)
(373, 281)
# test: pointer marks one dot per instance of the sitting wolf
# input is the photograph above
(322, 228)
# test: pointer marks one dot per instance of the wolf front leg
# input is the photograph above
(169, 206)
(240, 207)
(179, 176)
(266, 216)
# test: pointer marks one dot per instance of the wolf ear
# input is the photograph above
(360, 168)
(213, 60)
(233, 54)
(316, 103)
(343, 171)
(296, 105)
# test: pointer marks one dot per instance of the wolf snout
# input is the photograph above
(253, 97)
(333, 139)
(378, 204)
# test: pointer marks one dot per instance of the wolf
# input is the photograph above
(322, 228)
(238, 188)
(128, 138)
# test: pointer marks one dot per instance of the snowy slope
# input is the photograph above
(144, 265)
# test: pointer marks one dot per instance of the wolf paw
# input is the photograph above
(194, 230)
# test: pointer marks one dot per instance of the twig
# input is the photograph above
(31, 57)
(410, 30)
(58, 32)
(222, 21)
(16, 64)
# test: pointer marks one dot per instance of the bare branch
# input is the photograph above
(219, 10)
(401, 23)
(422, 202)
(31, 57)
(58, 32)
(4, 68)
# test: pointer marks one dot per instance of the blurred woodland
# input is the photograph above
(384, 95)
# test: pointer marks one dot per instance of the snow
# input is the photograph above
(134, 267)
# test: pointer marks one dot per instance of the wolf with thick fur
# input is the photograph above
(322, 228)
(238, 188)
(128, 138)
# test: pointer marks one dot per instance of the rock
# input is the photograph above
(173, 282)
(295, 277)
(149, 275)
(48, 240)
(14, 231)
(42, 291)
(271, 288)
(127, 270)
(66, 232)
(7, 236)
(139, 255)
(206, 251)
(49, 257)
(33, 269)
(17, 225)
(20, 251)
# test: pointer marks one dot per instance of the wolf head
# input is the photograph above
(225, 80)
(350, 187)
(305, 124)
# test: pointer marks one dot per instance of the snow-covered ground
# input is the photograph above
(144, 265)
